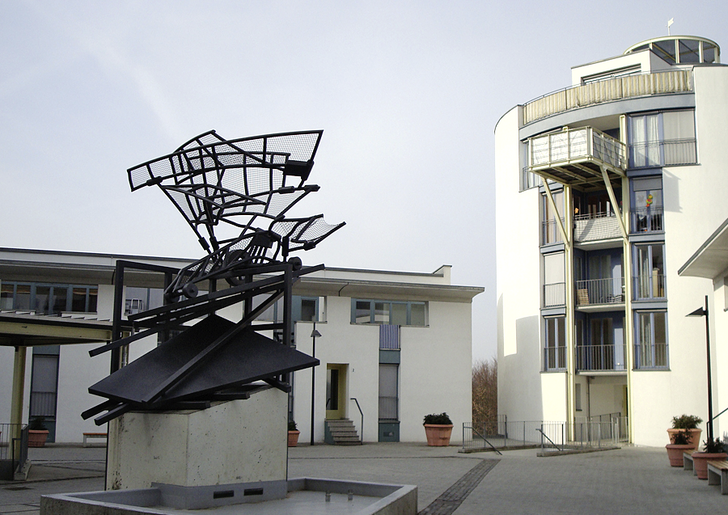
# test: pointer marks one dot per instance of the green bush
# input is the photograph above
(292, 425)
(435, 418)
(686, 422)
(713, 446)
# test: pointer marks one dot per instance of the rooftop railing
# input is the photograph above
(609, 90)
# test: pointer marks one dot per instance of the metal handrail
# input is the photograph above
(543, 435)
(362, 418)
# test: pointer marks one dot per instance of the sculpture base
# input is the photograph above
(241, 441)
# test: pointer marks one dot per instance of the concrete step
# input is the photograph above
(343, 432)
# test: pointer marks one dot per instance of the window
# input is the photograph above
(388, 312)
(577, 396)
(141, 299)
(554, 286)
(650, 351)
(550, 232)
(647, 210)
(555, 344)
(48, 299)
(388, 385)
(308, 309)
(661, 139)
(650, 279)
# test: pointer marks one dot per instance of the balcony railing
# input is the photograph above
(649, 356)
(600, 357)
(599, 291)
(610, 90)
(550, 232)
(648, 219)
(650, 286)
(574, 145)
(555, 358)
(601, 226)
(554, 294)
(663, 153)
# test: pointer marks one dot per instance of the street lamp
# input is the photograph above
(314, 334)
(699, 313)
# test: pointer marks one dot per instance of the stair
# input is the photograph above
(341, 432)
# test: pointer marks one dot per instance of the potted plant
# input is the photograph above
(438, 428)
(680, 444)
(293, 433)
(37, 432)
(712, 450)
(689, 423)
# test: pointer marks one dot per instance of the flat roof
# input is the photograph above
(711, 258)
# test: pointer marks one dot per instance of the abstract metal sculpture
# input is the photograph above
(246, 186)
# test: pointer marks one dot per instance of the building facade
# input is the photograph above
(604, 189)
(399, 343)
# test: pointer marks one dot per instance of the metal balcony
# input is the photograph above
(602, 226)
(599, 292)
(600, 358)
(576, 157)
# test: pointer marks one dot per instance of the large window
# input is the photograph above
(555, 344)
(48, 299)
(647, 210)
(550, 232)
(661, 139)
(554, 285)
(650, 279)
(388, 386)
(650, 350)
(388, 312)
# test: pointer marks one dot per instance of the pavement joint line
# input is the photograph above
(452, 498)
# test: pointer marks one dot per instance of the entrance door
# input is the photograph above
(336, 391)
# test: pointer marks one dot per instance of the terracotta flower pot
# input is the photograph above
(438, 435)
(694, 438)
(37, 437)
(293, 438)
(675, 453)
(701, 459)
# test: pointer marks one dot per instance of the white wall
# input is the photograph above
(435, 365)
(518, 290)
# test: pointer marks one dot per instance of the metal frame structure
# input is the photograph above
(247, 185)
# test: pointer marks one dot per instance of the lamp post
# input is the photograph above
(314, 334)
(699, 313)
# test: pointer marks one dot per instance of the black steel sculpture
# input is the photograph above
(245, 186)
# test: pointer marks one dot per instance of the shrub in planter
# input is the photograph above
(679, 445)
(293, 433)
(712, 450)
(37, 432)
(688, 423)
(438, 429)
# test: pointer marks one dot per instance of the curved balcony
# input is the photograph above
(610, 90)
(576, 157)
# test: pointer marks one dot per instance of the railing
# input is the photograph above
(550, 232)
(648, 219)
(599, 291)
(651, 356)
(555, 358)
(554, 294)
(576, 145)
(609, 90)
(600, 226)
(663, 153)
(598, 431)
(361, 427)
(651, 286)
(13, 447)
(600, 357)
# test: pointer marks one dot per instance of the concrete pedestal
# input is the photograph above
(242, 441)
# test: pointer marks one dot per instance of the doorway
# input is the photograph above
(336, 379)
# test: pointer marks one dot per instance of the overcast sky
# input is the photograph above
(407, 92)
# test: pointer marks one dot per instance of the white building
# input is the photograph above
(399, 343)
(590, 305)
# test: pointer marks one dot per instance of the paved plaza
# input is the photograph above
(627, 480)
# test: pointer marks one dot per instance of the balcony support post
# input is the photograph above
(615, 204)
(564, 235)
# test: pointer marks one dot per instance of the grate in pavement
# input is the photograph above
(453, 497)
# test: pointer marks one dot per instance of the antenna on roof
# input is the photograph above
(669, 22)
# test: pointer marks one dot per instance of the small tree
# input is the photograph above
(485, 395)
